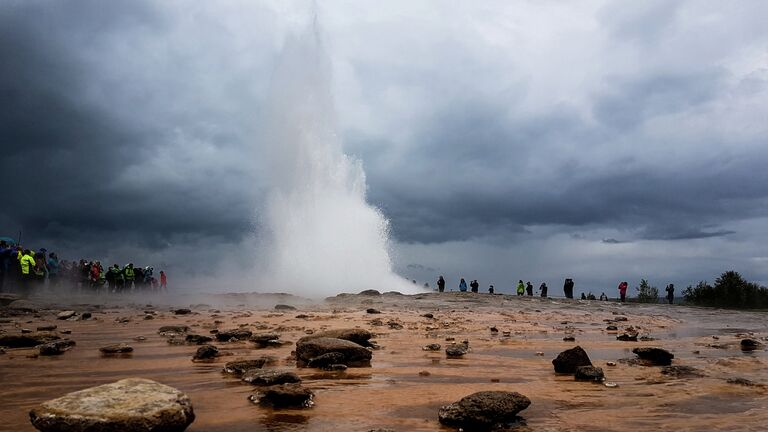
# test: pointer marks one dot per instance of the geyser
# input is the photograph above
(321, 236)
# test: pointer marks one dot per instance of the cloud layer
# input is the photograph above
(532, 140)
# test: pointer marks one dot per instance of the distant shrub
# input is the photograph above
(647, 293)
(730, 291)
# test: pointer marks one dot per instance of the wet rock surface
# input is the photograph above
(57, 347)
(129, 405)
(239, 367)
(28, 340)
(284, 396)
(681, 371)
(483, 410)
(116, 349)
(570, 359)
(206, 352)
(359, 336)
(268, 377)
(233, 335)
(589, 373)
(654, 356)
(354, 354)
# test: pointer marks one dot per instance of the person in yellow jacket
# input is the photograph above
(520, 288)
(27, 262)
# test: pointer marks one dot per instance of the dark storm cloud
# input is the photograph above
(77, 168)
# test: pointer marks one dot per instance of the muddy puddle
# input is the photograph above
(405, 386)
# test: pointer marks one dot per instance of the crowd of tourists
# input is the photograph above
(25, 271)
(524, 289)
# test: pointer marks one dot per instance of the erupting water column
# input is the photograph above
(322, 237)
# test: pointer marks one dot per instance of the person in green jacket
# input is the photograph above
(520, 288)
(117, 278)
(130, 276)
(27, 262)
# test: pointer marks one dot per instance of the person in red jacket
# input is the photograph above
(623, 291)
(163, 281)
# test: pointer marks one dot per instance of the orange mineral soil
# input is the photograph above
(405, 386)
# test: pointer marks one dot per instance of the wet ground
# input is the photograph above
(405, 386)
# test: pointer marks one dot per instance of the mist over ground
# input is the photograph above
(504, 141)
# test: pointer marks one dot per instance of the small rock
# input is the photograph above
(284, 307)
(85, 315)
(178, 329)
(750, 345)
(206, 352)
(494, 329)
(610, 363)
(284, 396)
(394, 325)
(424, 373)
(56, 347)
(483, 410)
(681, 371)
(568, 360)
(612, 328)
(132, 404)
(264, 377)
(139, 338)
(47, 327)
(197, 339)
(569, 339)
(627, 337)
(654, 356)
(116, 349)
(66, 315)
(431, 347)
(182, 311)
(239, 367)
(264, 339)
(372, 311)
(354, 354)
(26, 331)
(233, 335)
(610, 384)
(428, 315)
(589, 373)
(456, 351)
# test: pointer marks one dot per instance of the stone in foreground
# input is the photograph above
(354, 354)
(263, 377)
(570, 359)
(483, 410)
(129, 405)
(589, 373)
(239, 367)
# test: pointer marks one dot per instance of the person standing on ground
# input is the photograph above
(520, 288)
(568, 288)
(53, 270)
(671, 293)
(130, 276)
(440, 284)
(603, 297)
(462, 285)
(475, 286)
(543, 288)
(163, 281)
(27, 263)
(490, 289)
(529, 288)
(623, 291)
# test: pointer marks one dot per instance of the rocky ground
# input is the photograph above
(250, 362)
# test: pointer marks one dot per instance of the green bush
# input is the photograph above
(730, 291)
(647, 293)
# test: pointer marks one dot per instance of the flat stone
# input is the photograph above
(56, 347)
(432, 347)
(66, 315)
(358, 336)
(239, 367)
(129, 405)
(681, 371)
(116, 349)
(22, 306)
(354, 354)
(284, 396)
(197, 339)
(284, 307)
(372, 311)
(483, 410)
(268, 377)
(456, 351)
(236, 334)
(264, 339)
(47, 327)
(182, 311)
(173, 329)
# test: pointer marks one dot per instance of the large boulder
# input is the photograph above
(483, 410)
(570, 359)
(654, 356)
(354, 354)
(28, 340)
(358, 336)
(129, 405)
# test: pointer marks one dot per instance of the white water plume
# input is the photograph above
(321, 236)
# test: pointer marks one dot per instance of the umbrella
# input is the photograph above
(8, 240)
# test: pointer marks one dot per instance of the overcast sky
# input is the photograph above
(539, 140)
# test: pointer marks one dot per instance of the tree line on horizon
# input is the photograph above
(730, 290)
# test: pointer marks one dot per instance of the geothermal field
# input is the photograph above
(715, 381)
